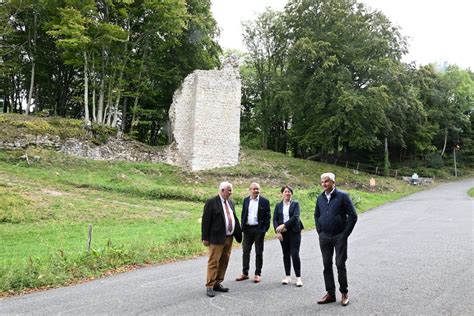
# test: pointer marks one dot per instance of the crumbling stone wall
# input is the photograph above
(205, 125)
(113, 149)
(205, 118)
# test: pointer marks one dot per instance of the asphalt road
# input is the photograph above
(413, 256)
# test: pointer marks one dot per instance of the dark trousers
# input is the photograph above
(252, 235)
(290, 245)
(328, 244)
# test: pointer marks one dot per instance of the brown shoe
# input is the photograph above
(242, 277)
(327, 299)
(257, 279)
(344, 299)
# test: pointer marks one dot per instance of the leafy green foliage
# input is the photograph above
(324, 78)
(434, 160)
(115, 63)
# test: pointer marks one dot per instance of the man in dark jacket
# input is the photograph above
(255, 223)
(218, 228)
(335, 217)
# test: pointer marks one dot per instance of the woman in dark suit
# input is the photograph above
(286, 222)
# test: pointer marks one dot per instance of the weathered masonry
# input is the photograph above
(205, 118)
(205, 127)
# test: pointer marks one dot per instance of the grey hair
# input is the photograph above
(258, 185)
(329, 175)
(225, 185)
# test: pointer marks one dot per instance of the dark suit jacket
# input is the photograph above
(213, 226)
(263, 213)
(293, 224)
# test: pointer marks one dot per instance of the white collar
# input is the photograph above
(330, 193)
(222, 199)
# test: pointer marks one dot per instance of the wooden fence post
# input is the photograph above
(89, 238)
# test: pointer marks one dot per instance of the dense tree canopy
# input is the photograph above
(325, 77)
(109, 61)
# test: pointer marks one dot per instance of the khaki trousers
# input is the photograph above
(217, 263)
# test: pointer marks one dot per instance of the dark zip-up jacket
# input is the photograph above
(336, 216)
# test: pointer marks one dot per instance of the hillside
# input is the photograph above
(140, 213)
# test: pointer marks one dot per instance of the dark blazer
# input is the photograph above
(336, 216)
(293, 224)
(213, 227)
(263, 213)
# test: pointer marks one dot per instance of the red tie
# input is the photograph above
(229, 217)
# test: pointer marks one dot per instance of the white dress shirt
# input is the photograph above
(252, 218)
(286, 212)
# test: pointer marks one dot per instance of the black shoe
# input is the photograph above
(220, 288)
(210, 292)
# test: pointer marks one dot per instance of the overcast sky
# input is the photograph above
(437, 30)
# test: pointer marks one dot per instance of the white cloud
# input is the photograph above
(438, 30)
(231, 13)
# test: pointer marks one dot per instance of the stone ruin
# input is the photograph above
(205, 118)
(205, 127)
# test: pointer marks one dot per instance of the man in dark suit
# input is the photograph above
(255, 223)
(219, 226)
(335, 218)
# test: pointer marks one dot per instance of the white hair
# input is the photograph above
(329, 175)
(225, 185)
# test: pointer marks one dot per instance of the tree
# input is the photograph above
(339, 57)
(6, 30)
(169, 59)
(71, 33)
(270, 98)
(448, 96)
(90, 58)
(458, 101)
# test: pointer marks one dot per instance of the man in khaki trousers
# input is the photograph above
(219, 227)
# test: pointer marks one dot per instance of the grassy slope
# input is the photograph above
(141, 213)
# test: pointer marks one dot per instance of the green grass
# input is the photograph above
(471, 192)
(140, 213)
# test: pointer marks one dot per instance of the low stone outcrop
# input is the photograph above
(113, 149)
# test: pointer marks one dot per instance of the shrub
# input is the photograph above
(101, 133)
(434, 160)
(356, 199)
(252, 141)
